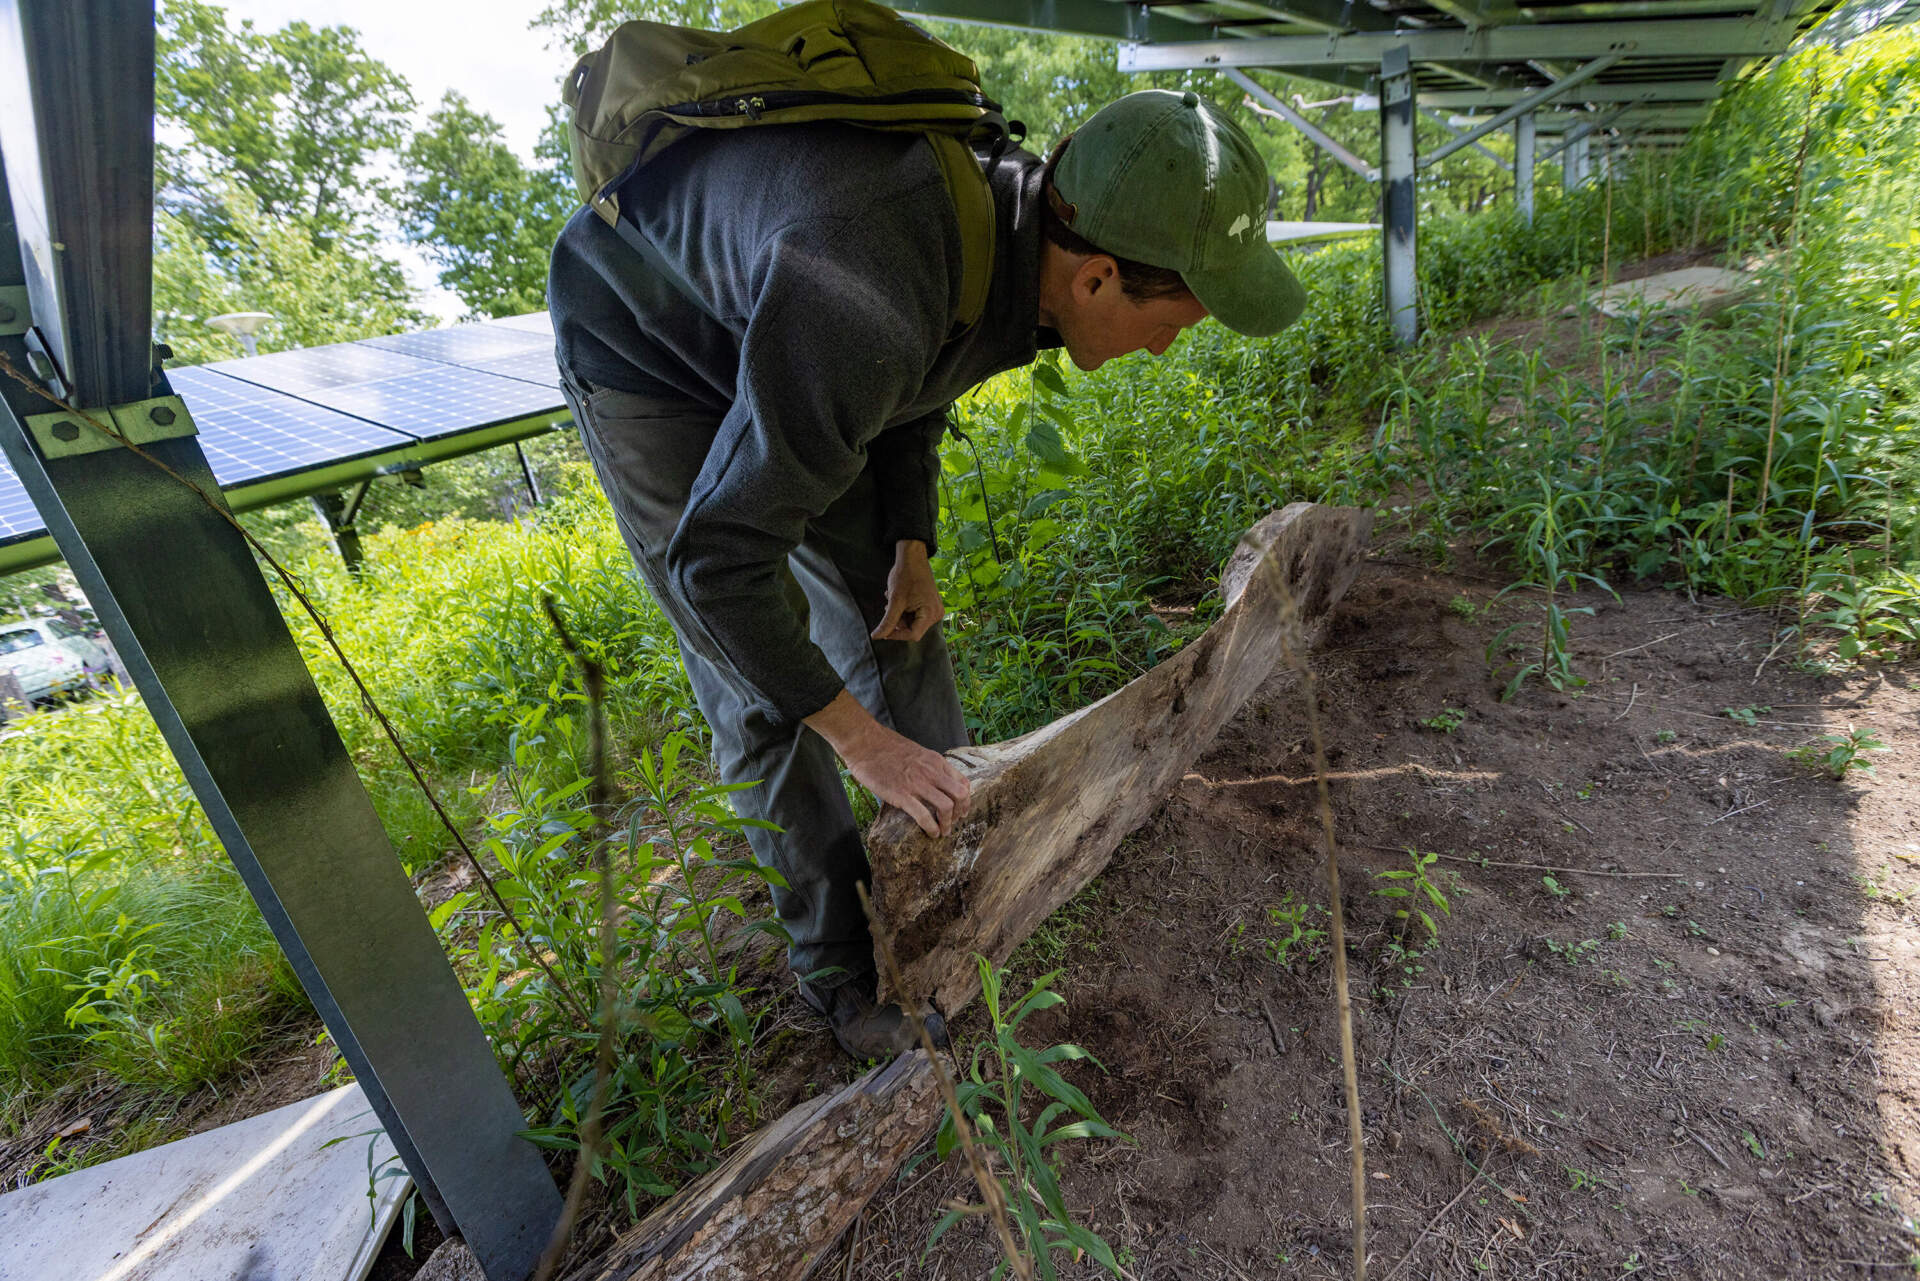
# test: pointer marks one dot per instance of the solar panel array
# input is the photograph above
(274, 416)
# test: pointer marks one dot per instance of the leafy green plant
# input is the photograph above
(1555, 888)
(1413, 884)
(1293, 939)
(681, 1083)
(1024, 1154)
(1749, 716)
(1446, 720)
(1837, 755)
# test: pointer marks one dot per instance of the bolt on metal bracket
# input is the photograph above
(66, 435)
(16, 312)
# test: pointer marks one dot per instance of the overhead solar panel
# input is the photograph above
(317, 368)
(267, 422)
(461, 344)
(448, 398)
(539, 322)
(250, 432)
(533, 366)
(17, 514)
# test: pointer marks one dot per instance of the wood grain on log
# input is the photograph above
(787, 1193)
(1048, 810)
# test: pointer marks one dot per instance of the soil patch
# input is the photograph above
(1666, 1030)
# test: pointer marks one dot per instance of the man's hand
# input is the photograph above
(899, 771)
(913, 598)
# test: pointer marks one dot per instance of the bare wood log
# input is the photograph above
(786, 1194)
(1049, 809)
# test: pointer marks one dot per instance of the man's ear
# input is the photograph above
(1096, 271)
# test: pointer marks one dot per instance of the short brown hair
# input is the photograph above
(1139, 281)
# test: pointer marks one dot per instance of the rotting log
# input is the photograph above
(1048, 810)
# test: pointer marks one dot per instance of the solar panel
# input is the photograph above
(461, 344)
(268, 417)
(539, 322)
(250, 432)
(17, 514)
(533, 367)
(443, 400)
(317, 368)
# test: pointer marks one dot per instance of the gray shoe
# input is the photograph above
(864, 1029)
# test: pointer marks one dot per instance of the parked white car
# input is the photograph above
(50, 657)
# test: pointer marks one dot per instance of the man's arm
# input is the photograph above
(921, 782)
(847, 320)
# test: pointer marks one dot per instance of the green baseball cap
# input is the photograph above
(1166, 179)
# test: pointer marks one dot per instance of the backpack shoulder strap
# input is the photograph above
(973, 208)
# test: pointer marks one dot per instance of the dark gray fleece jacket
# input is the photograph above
(830, 256)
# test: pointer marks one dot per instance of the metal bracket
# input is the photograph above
(66, 435)
(16, 310)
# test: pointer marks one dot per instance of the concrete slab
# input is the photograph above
(1308, 233)
(260, 1200)
(1697, 289)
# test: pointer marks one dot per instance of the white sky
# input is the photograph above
(485, 49)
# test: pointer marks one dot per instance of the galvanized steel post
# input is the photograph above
(1574, 163)
(1523, 149)
(178, 591)
(1397, 198)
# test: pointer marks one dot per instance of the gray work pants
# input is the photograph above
(647, 453)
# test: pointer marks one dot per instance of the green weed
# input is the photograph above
(1413, 884)
(993, 1098)
(1837, 755)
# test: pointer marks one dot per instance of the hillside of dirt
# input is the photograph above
(1665, 1027)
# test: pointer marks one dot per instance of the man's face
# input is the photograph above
(1100, 322)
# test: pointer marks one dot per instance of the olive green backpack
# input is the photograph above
(850, 61)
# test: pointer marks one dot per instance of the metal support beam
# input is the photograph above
(1398, 207)
(1581, 129)
(1575, 168)
(526, 473)
(1314, 134)
(1100, 18)
(1696, 38)
(1701, 91)
(1585, 73)
(1480, 147)
(1523, 149)
(179, 594)
(332, 507)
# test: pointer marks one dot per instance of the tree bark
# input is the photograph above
(1048, 810)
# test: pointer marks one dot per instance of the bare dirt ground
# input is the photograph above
(1667, 1029)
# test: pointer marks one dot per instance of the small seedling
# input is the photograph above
(1665, 736)
(1555, 888)
(1617, 931)
(1748, 716)
(1837, 754)
(1463, 607)
(1574, 953)
(1446, 720)
(1754, 1145)
(1715, 1042)
(1413, 883)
